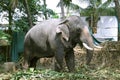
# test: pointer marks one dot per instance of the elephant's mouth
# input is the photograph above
(91, 48)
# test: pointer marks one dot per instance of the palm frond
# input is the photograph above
(106, 4)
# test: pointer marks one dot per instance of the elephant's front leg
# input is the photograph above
(59, 56)
(89, 55)
(70, 60)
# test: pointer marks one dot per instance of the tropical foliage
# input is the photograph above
(24, 12)
(4, 38)
(94, 10)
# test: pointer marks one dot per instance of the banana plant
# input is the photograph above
(96, 9)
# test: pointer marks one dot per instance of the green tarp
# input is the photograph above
(17, 45)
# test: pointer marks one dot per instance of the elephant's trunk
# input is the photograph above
(87, 40)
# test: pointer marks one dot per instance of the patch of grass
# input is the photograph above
(47, 74)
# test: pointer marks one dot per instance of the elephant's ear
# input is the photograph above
(64, 21)
(63, 29)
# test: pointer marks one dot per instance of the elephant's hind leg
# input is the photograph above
(26, 60)
(33, 62)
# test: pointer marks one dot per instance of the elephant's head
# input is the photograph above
(74, 29)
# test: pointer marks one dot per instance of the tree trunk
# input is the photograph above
(8, 48)
(45, 12)
(28, 13)
(95, 21)
(94, 18)
(62, 9)
(117, 8)
(10, 18)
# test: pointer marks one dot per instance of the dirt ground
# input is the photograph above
(108, 56)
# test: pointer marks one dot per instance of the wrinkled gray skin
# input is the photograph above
(56, 38)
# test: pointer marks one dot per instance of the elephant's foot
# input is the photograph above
(25, 66)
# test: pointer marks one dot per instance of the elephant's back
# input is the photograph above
(43, 32)
(45, 26)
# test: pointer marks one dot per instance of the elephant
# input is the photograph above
(57, 38)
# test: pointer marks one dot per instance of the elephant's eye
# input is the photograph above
(64, 39)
